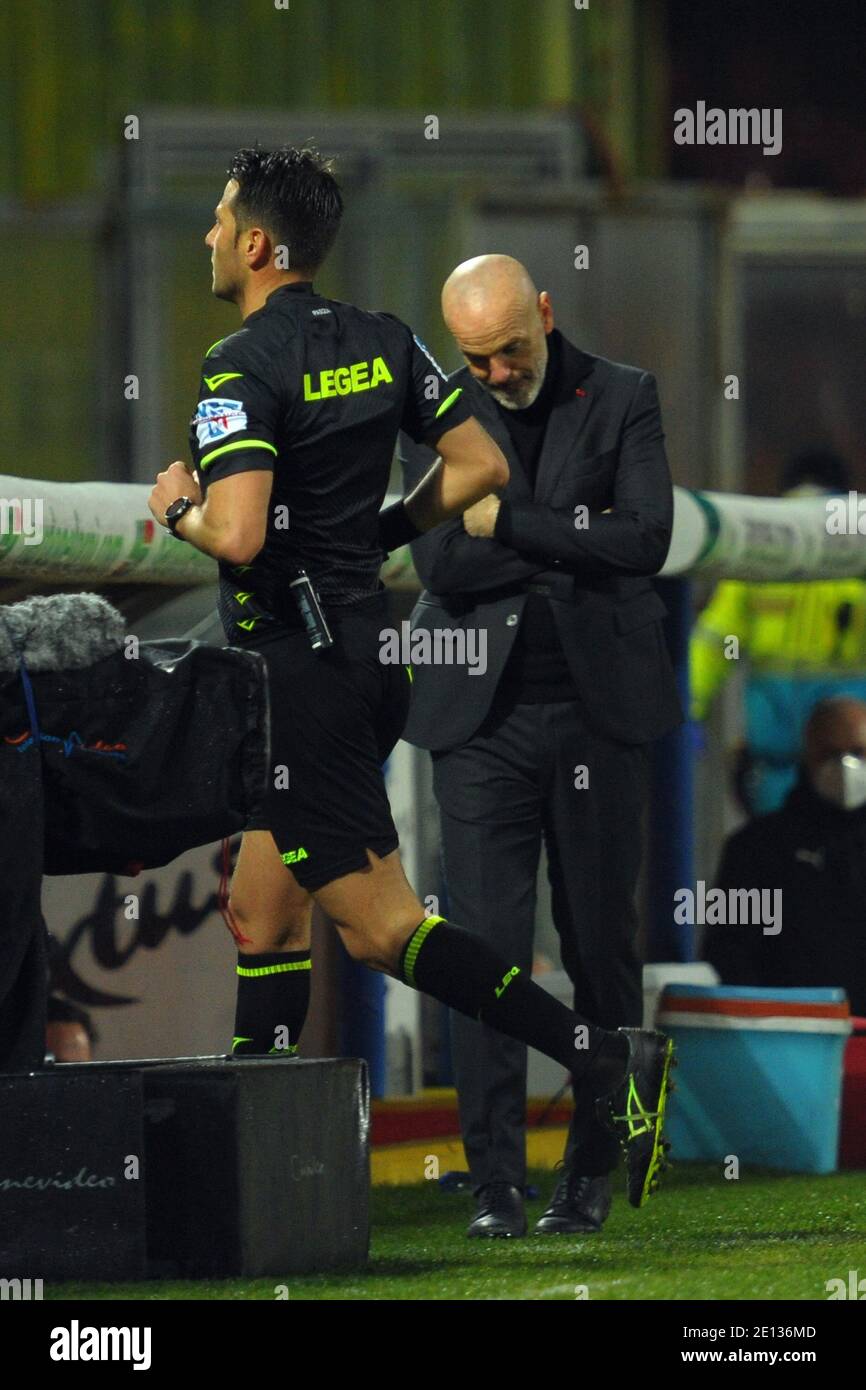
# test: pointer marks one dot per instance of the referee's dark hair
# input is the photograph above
(293, 195)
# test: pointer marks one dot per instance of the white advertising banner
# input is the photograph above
(729, 537)
(149, 957)
(89, 533)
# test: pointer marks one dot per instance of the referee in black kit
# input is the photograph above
(292, 442)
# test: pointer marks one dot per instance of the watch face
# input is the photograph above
(176, 509)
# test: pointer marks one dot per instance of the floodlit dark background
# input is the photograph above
(554, 131)
(555, 127)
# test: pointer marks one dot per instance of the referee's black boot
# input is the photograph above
(579, 1206)
(500, 1211)
(635, 1110)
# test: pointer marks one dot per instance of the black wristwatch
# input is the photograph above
(175, 511)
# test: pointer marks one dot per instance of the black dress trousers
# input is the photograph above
(519, 778)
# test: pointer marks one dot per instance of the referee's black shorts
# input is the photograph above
(335, 717)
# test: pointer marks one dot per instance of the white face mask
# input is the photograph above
(842, 781)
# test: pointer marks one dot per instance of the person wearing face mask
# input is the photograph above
(814, 850)
(803, 642)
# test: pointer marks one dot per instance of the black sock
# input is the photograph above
(462, 971)
(273, 997)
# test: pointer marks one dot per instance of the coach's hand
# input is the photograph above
(176, 481)
(480, 519)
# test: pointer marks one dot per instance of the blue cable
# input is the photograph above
(28, 697)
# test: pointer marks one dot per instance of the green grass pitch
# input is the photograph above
(763, 1236)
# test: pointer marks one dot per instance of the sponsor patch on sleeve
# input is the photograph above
(216, 418)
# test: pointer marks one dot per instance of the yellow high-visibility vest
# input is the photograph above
(797, 630)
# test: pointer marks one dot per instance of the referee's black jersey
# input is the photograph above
(316, 391)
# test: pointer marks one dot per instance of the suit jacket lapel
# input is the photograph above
(569, 417)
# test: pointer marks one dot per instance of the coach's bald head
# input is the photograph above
(500, 323)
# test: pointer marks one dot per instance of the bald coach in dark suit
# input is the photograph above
(551, 739)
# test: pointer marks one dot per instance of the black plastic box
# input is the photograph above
(257, 1167)
(247, 1167)
(68, 1210)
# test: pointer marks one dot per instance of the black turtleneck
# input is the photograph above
(536, 671)
(527, 427)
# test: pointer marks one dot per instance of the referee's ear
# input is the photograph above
(260, 251)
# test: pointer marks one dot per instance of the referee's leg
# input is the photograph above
(334, 741)
(270, 908)
(272, 917)
(382, 922)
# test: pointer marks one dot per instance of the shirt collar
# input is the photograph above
(294, 286)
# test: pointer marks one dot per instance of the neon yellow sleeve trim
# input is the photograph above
(416, 942)
(231, 448)
(449, 401)
(252, 971)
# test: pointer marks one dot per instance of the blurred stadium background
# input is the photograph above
(458, 128)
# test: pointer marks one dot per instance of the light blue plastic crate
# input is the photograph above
(767, 1090)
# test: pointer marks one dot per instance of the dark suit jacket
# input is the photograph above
(603, 447)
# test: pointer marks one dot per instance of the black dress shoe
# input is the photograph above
(579, 1206)
(500, 1211)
